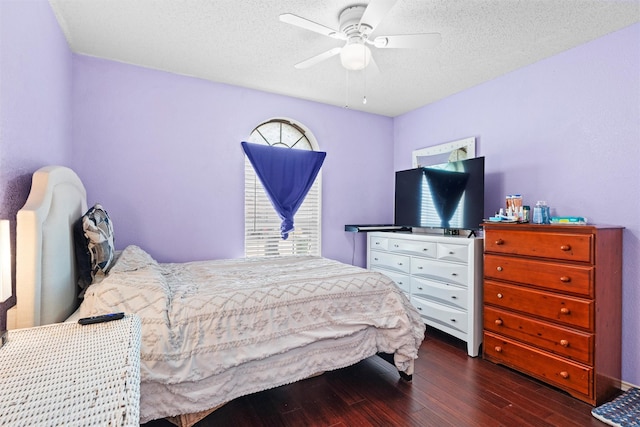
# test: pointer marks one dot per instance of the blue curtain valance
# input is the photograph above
(287, 175)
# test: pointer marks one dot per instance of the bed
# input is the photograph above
(214, 330)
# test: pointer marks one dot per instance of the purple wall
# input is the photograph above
(565, 130)
(162, 153)
(35, 103)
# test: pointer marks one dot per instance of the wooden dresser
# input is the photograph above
(552, 304)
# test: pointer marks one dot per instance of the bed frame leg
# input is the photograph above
(389, 358)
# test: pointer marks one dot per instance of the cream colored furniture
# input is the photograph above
(442, 276)
(69, 374)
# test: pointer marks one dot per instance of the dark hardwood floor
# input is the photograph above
(448, 389)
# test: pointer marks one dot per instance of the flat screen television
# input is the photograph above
(448, 196)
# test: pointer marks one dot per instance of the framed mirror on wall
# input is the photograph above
(443, 153)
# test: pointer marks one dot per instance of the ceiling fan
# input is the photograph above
(356, 25)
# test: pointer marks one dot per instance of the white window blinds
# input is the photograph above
(262, 223)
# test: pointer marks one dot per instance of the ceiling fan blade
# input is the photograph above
(304, 23)
(318, 58)
(375, 11)
(408, 41)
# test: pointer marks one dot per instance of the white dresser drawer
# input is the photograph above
(401, 263)
(458, 253)
(441, 314)
(447, 272)
(441, 292)
(402, 280)
(379, 243)
(413, 247)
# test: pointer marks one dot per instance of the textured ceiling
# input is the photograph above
(242, 42)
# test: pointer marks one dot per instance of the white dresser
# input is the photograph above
(442, 276)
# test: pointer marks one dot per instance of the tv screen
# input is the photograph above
(448, 195)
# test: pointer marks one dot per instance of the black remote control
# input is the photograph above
(102, 318)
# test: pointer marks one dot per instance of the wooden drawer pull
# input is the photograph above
(498, 349)
(564, 343)
(565, 310)
(565, 248)
(498, 322)
(499, 295)
(565, 279)
(564, 374)
(499, 268)
(499, 242)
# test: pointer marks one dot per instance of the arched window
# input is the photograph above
(261, 222)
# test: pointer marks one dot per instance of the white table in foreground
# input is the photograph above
(67, 374)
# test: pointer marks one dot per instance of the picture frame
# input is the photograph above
(446, 152)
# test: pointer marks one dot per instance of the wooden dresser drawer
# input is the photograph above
(548, 244)
(413, 247)
(400, 263)
(570, 376)
(456, 296)
(566, 278)
(446, 272)
(563, 341)
(567, 310)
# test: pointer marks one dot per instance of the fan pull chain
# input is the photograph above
(346, 97)
(364, 76)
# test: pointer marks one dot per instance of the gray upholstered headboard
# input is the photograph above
(46, 274)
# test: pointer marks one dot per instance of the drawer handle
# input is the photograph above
(564, 343)
(565, 248)
(399, 263)
(498, 349)
(498, 322)
(396, 246)
(564, 374)
(454, 274)
(377, 243)
(565, 310)
(451, 253)
(500, 296)
(419, 288)
(425, 249)
(419, 268)
(499, 268)
(453, 320)
(419, 308)
(499, 242)
(454, 297)
(565, 279)
(400, 283)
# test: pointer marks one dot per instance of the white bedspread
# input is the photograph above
(208, 322)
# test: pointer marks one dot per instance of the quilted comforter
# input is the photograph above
(273, 321)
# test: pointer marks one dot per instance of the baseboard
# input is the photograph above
(626, 386)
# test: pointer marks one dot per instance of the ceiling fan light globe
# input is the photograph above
(355, 56)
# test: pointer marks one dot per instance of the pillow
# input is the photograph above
(94, 243)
